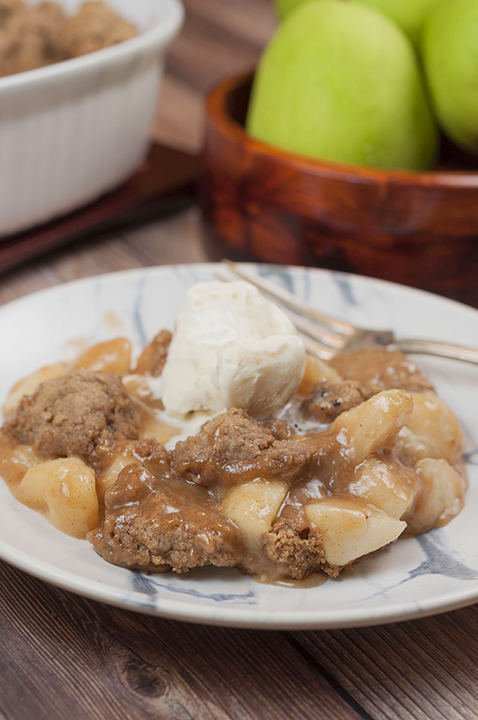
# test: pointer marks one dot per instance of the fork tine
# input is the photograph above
(315, 348)
(338, 335)
(327, 339)
(291, 301)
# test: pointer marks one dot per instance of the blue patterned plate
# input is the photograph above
(412, 578)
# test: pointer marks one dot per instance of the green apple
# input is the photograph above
(284, 7)
(408, 14)
(340, 81)
(450, 58)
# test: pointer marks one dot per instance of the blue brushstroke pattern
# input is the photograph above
(143, 584)
(137, 314)
(438, 561)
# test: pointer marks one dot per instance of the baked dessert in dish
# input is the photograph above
(35, 36)
(224, 444)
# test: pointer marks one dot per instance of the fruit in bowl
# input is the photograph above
(341, 81)
(316, 195)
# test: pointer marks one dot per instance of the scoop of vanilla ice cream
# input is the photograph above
(231, 348)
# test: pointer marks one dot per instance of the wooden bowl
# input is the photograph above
(265, 204)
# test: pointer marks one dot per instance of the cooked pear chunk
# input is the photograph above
(28, 385)
(440, 498)
(351, 528)
(64, 492)
(373, 424)
(316, 370)
(432, 431)
(387, 484)
(253, 507)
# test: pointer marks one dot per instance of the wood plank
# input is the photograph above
(179, 119)
(413, 671)
(177, 240)
(172, 241)
(197, 49)
(82, 659)
(254, 21)
(82, 259)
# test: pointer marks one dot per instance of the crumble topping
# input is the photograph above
(82, 413)
(32, 37)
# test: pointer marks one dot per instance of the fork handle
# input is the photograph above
(433, 347)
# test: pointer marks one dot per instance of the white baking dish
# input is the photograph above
(71, 131)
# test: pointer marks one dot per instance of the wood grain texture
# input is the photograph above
(80, 659)
(413, 671)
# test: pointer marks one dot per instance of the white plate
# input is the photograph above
(412, 578)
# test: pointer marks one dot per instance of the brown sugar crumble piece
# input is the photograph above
(82, 413)
(94, 27)
(327, 400)
(233, 448)
(279, 429)
(224, 445)
(28, 38)
(7, 8)
(32, 37)
(156, 524)
(299, 553)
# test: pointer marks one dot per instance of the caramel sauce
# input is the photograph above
(137, 386)
(158, 429)
(110, 356)
(335, 470)
(312, 581)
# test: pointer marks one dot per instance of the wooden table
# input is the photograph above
(66, 657)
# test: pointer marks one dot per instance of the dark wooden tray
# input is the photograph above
(164, 184)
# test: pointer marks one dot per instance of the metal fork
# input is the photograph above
(325, 336)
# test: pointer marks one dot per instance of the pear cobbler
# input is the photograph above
(225, 444)
(33, 36)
